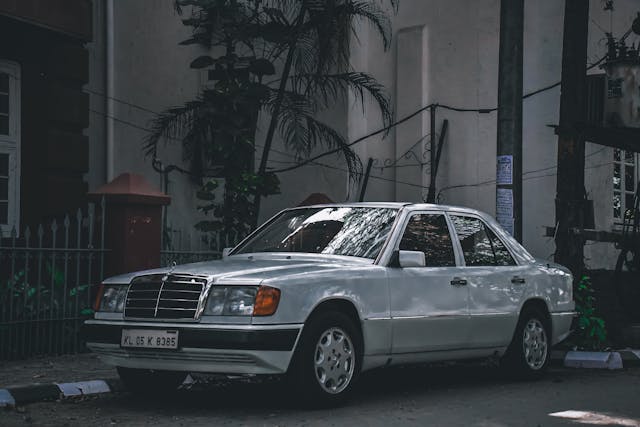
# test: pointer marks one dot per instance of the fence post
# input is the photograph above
(133, 223)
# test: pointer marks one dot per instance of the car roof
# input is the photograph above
(399, 205)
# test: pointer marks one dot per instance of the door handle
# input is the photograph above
(518, 280)
(458, 282)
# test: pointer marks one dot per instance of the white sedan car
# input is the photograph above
(323, 293)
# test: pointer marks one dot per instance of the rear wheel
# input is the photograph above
(327, 361)
(151, 381)
(529, 352)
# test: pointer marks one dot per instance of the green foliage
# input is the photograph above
(44, 300)
(591, 333)
(308, 42)
(41, 311)
(235, 215)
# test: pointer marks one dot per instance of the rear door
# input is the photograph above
(495, 282)
(429, 309)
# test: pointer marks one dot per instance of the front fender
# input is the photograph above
(366, 288)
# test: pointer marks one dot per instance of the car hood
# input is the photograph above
(253, 268)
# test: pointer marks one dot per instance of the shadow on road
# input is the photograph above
(259, 394)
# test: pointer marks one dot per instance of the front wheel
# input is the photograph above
(149, 381)
(529, 352)
(327, 361)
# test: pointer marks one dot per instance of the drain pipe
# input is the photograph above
(109, 105)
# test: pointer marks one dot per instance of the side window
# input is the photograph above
(475, 243)
(429, 233)
(480, 246)
(503, 257)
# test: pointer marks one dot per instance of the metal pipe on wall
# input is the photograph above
(109, 90)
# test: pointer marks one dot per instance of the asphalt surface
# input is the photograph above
(60, 369)
(461, 395)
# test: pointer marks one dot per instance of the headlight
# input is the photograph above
(242, 301)
(231, 301)
(111, 298)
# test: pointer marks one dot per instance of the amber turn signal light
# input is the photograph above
(267, 300)
(96, 304)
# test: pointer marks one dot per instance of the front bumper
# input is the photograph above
(228, 349)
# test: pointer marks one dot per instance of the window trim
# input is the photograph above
(10, 144)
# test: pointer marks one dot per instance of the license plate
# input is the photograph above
(143, 338)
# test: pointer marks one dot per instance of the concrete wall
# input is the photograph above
(151, 74)
(459, 43)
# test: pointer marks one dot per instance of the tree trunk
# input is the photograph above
(276, 111)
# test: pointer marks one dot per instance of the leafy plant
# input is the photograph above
(39, 313)
(31, 301)
(591, 333)
(303, 48)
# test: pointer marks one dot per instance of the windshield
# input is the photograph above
(348, 231)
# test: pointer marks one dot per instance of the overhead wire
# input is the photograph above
(384, 129)
(372, 176)
(422, 109)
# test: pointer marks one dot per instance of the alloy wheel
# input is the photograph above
(334, 360)
(534, 344)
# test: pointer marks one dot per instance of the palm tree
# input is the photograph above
(309, 41)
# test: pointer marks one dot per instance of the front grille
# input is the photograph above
(173, 296)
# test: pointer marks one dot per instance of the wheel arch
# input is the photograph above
(540, 304)
(342, 305)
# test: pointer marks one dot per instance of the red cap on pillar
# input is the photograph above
(133, 223)
(131, 188)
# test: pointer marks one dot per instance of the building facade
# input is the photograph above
(80, 81)
(44, 112)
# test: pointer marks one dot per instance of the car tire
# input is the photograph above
(149, 381)
(530, 350)
(327, 361)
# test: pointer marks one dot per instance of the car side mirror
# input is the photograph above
(411, 259)
(226, 252)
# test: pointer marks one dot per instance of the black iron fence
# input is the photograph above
(49, 276)
(184, 247)
(48, 279)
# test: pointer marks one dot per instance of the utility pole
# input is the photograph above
(509, 146)
(570, 180)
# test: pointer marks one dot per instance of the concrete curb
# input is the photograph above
(596, 360)
(21, 395)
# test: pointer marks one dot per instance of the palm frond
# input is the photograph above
(172, 124)
(372, 12)
(329, 87)
(302, 132)
(332, 139)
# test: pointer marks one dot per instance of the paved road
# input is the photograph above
(468, 395)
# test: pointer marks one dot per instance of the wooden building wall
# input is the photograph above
(54, 109)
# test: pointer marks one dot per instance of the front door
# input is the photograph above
(429, 307)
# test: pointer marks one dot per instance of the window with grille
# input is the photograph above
(9, 146)
(625, 182)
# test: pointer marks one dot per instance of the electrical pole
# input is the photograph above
(509, 146)
(570, 180)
